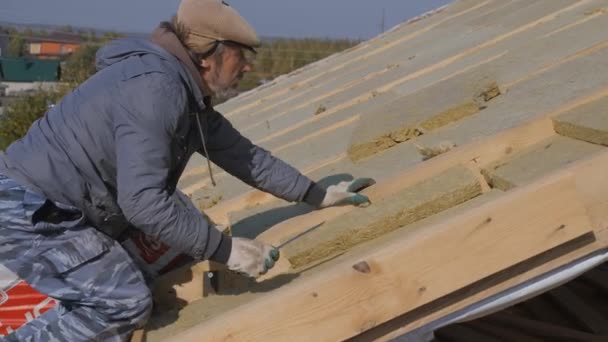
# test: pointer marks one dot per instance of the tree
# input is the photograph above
(66, 28)
(107, 36)
(16, 46)
(80, 65)
(20, 114)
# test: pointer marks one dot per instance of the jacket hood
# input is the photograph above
(121, 49)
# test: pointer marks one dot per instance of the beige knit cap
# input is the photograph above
(209, 21)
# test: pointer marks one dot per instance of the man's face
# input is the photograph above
(223, 72)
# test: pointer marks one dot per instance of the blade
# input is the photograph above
(299, 235)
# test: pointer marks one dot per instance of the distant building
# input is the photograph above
(29, 70)
(54, 46)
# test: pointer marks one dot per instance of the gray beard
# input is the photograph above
(226, 94)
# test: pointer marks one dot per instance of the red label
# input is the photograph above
(150, 249)
(20, 304)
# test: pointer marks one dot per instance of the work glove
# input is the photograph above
(346, 193)
(251, 257)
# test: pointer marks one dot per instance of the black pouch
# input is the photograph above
(50, 213)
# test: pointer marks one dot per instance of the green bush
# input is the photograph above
(80, 65)
(16, 46)
(21, 113)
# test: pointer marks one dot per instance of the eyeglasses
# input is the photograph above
(247, 53)
(249, 56)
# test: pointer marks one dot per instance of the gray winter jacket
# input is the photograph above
(116, 146)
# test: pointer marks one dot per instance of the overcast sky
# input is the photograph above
(356, 19)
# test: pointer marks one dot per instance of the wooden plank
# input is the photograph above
(184, 284)
(359, 293)
(138, 335)
(592, 186)
(527, 271)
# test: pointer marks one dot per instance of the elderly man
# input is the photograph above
(106, 160)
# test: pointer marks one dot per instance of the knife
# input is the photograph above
(299, 235)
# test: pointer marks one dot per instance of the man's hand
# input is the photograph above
(251, 258)
(346, 193)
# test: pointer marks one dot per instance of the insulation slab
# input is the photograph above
(588, 123)
(448, 189)
(415, 114)
(537, 161)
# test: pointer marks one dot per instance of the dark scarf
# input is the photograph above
(169, 41)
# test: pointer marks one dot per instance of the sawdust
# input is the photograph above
(320, 109)
(450, 188)
(488, 93)
(429, 152)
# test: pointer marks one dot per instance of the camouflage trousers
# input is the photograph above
(102, 294)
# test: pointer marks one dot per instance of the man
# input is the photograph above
(106, 160)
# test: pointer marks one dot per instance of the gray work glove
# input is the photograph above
(251, 257)
(346, 193)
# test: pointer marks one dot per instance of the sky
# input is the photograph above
(353, 19)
